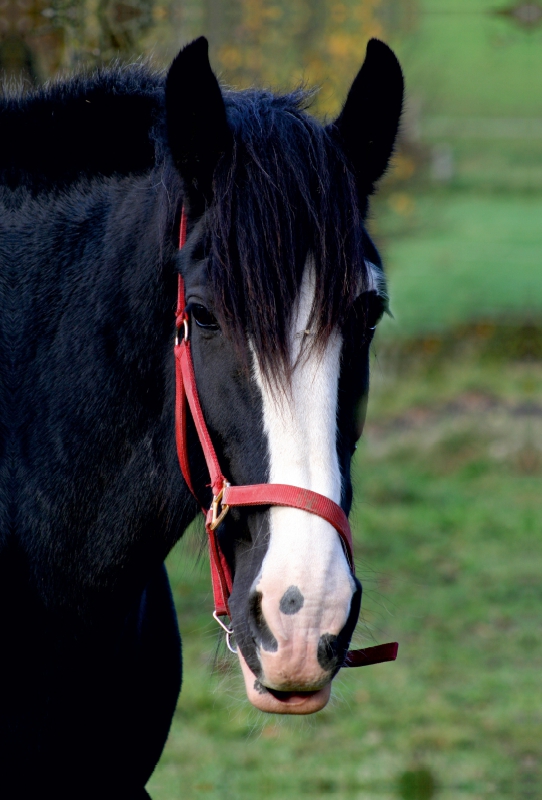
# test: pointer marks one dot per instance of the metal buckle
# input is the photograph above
(229, 632)
(185, 337)
(217, 518)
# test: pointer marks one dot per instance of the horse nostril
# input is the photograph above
(258, 625)
(332, 649)
(328, 651)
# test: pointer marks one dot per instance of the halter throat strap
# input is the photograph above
(226, 496)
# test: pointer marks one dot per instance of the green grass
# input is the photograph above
(454, 257)
(445, 526)
(466, 60)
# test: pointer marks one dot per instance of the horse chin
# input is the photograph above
(273, 702)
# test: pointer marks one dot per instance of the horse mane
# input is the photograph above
(96, 123)
(284, 192)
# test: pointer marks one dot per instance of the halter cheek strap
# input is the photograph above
(226, 496)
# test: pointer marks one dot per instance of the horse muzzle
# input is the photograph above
(296, 645)
(283, 702)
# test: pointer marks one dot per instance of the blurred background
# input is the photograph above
(448, 507)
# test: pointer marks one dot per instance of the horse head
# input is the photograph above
(283, 289)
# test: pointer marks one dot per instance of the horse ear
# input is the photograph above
(197, 127)
(369, 121)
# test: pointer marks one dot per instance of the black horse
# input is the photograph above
(284, 289)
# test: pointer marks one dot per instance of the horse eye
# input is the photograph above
(372, 309)
(204, 318)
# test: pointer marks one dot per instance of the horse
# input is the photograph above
(283, 288)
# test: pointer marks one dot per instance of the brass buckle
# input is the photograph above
(217, 518)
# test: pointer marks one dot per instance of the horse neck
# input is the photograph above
(99, 499)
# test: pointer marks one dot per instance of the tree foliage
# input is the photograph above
(271, 42)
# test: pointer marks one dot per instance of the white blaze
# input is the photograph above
(304, 550)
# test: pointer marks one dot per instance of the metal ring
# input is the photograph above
(229, 632)
(186, 331)
(222, 625)
(228, 642)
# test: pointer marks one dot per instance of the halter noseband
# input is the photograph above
(226, 496)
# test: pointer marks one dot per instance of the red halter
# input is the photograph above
(226, 496)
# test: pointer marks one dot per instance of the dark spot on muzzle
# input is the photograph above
(260, 688)
(328, 651)
(258, 626)
(291, 601)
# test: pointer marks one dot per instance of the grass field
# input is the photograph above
(448, 486)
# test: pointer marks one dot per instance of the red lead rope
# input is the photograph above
(226, 496)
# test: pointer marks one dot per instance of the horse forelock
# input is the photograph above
(284, 194)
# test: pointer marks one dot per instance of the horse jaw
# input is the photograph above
(297, 703)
